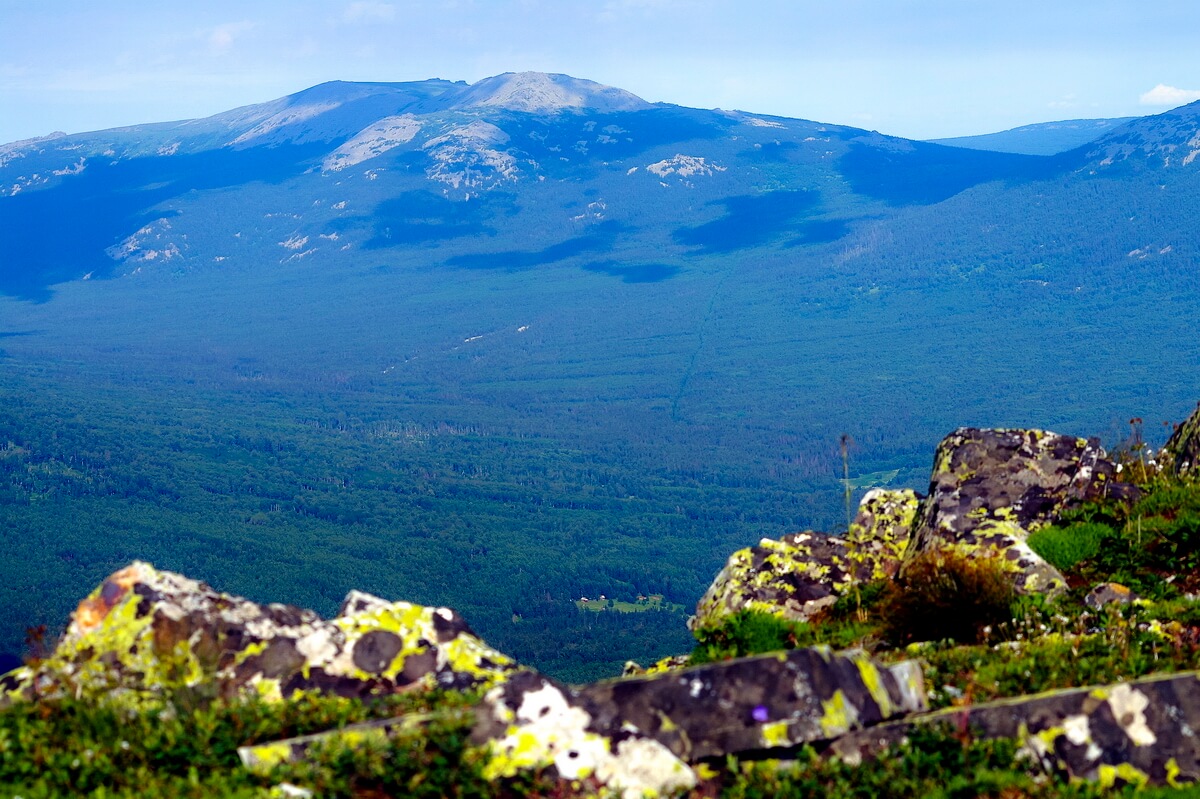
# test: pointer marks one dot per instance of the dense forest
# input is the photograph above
(597, 379)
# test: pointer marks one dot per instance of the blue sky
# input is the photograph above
(915, 68)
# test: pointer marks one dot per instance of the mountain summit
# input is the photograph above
(542, 93)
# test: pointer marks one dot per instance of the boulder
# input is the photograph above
(793, 578)
(797, 576)
(1140, 732)
(756, 703)
(1183, 447)
(991, 488)
(145, 633)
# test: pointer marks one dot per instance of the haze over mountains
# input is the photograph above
(1043, 138)
(412, 336)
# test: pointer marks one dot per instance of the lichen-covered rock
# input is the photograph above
(1027, 477)
(991, 488)
(1140, 732)
(669, 663)
(1109, 594)
(261, 758)
(756, 703)
(880, 532)
(145, 633)
(793, 578)
(1183, 447)
(534, 723)
(1005, 541)
(797, 576)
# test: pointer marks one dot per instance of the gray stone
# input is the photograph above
(1109, 594)
(756, 703)
(800, 575)
(991, 488)
(144, 634)
(1140, 732)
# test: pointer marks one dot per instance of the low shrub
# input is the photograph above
(946, 594)
(747, 632)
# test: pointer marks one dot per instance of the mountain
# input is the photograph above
(1044, 138)
(504, 345)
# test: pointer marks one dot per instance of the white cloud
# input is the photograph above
(1169, 95)
(367, 11)
(221, 38)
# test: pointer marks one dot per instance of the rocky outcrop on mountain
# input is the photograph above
(802, 573)
(757, 703)
(991, 488)
(1027, 477)
(880, 532)
(1139, 732)
(144, 634)
(641, 735)
(794, 578)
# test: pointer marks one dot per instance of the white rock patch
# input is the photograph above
(373, 140)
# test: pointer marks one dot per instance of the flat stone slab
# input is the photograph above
(1142, 731)
(757, 703)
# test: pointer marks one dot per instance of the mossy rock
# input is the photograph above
(991, 488)
(145, 634)
(799, 575)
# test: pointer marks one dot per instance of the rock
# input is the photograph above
(880, 532)
(793, 578)
(1183, 447)
(261, 758)
(146, 633)
(991, 488)
(1139, 732)
(756, 703)
(534, 723)
(802, 573)
(669, 663)
(1109, 594)
(637, 736)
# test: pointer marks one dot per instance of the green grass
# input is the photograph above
(1064, 547)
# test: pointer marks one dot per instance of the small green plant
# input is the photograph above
(946, 594)
(1064, 547)
(747, 632)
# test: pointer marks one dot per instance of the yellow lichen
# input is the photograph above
(1127, 773)
(775, 733)
(874, 685)
(264, 757)
(838, 716)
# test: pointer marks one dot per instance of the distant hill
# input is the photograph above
(1044, 138)
(504, 345)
